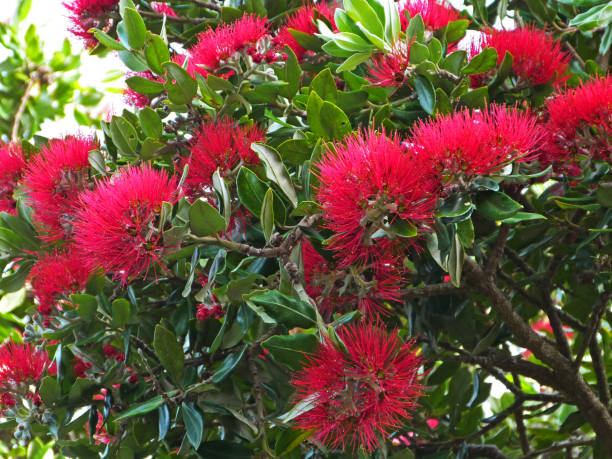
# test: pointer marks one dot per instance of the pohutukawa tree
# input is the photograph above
(322, 229)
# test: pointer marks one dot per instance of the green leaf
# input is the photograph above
(522, 217)
(293, 73)
(325, 86)
(156, 53)
(465, 231)
(481, 63)
(305, 40)
(455, 30)
(229, 14)
(135, 28)
(194, 424)
(442, 373)
(275, 171)
(163, 423)
(426, 93)
(133, 61)
(267, 214)
(476, 98)
(361, 11)
(418, 53)
(204, 219)
(604, 194)
(169, 352)
(23, 9)
(108, 41)
(353, 61)
(150, 146)
(415, 29)
(96, 160)
(222, 190)
(290, 350)
(334, 121)
(124, 136)
(455, 261)
(228, 365)
(286, 310)
(496, 205)
(597, 16)
(251, 190)
(144, 85)
(150, 123)
(120, 312)
(606, 40)
(295, 151)
(141, 408)
(87, 305)
(49, 390)
(180, 86)
(218, 84)
(313, 114)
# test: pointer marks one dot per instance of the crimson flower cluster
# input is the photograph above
(163, 8)
(13, 165)
(88, 14)
(390, 69)
(360, 392)
(117, 224)
(339, 290)
(466, 144)
(303, 20)
(53, 181)
(368, 183)
(537, 57)
(436, 14)
(215, 46)
(580, 123)
(55, 276)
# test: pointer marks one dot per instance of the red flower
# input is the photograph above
(79, 367)
(12, 165)
(390, 69)
(21, 363)
(360, 394)
(436, 14)
(87, 14)
(303, 20)
(369, 184)
(117, 228)
(206, 311)
(466, 144)
(214, 46)
(580, 122)
(136, 99)
(56, 275)
(163, 8)
(54, 179)
(219, 144)
(111, 352)
(538, 58)
(341, 290)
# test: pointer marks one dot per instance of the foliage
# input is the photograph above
(267, 222)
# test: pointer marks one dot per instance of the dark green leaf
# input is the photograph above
(228, 365)
(163, 423)
(286, 310)
(426, 93)
(141, 408)
(194, 424)
(266, 215)
(293, 73)
(251, 190)
(150, 123)
(124, 136)
(481, 63)
(218, 84)
(290, 350)
(305, 40)
(49, 390)
(120, 312)
(418, 53)
(325, 86)
(180, 86)
(135, 28)
(456, 30)
(476, 98)
(334, 121)
(275, 171)
(204, 219)
(495, 205)
(169, 352)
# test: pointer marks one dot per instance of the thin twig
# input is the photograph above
(21, 109)
(445, 288)
(520, 422)
(559, 446)
(596, 316)
(179, 19)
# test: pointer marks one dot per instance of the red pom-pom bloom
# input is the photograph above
(53, 181)
(436, 14)
(55, 276)
(136, 99)
(215, 46)
(537, 57)
(21, 363)
(467, 144)
(163, 8)
(88, 14)
(580, 122)
(303, 20)
(219, 145)
(391, 69)
(362, 393)
(79, 367)
(340, 290)
(12, 165)
(369, 185)
(117, 225)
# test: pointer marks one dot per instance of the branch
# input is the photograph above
(445, 288)
(210, 6)
(559, 446)
(179, 19)
(520, 422)
(473, 450)
(600, 373)
(21, 108)
(598, 311)
(497, 250)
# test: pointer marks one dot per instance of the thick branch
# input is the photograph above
(433, 290)
(598, 312)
